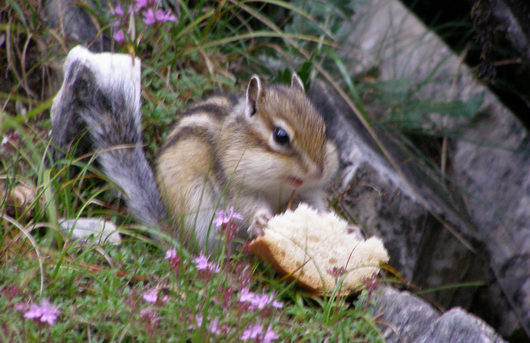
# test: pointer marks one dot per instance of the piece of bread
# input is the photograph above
(319, 250)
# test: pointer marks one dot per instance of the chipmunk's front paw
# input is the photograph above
(259, 222)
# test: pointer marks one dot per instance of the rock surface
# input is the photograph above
(470, 224)
(74, 22)
(407, 318)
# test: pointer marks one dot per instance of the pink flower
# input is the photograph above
(34, 312)
(270, 335)
(142, 4)
(162, 17)
(149, 17)
(246, 295)
(252, 332)
(149, 315)
(173, 260)
(165, 298)
(21, 306)
(45, 312)
(119, 36)
(117, 11)
(255, 332)
(258, 301)
(171, 254)
(277, 304)
(198, 322)
(222, 219)
(214, 327)
(145, 311)
(151, 296)
(202, 263)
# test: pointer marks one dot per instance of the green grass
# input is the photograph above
(99, 289)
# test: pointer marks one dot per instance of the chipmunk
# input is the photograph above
(250, 153)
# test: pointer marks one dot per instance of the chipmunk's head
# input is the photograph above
(288, 136)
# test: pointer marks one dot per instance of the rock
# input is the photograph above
(405, 212)
(456, 326)
(407, 318)
(403, 316)
(471, 224)
(74, 22)
(497, 184)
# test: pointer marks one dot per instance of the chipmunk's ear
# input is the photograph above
(253, 93)
(297, 83)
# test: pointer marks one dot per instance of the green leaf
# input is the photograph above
(456, 108)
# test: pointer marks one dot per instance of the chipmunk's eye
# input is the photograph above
(280, 136)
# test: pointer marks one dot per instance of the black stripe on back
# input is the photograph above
(218, 112)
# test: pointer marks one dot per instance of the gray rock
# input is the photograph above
(471, 223)
(74, 22)
(458, 326)
(403, 316)
(403, 208)
(497, 184)
(407, 318)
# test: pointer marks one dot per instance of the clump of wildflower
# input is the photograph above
(213, 328)
(10, 292)
(371, 285)
(171, 254)
(149, 315)
(120, 23)
(152, 17)
(337, 272)
(174, 261)
(150, 320)
(164, 299)
(228, 226)
(255, 332)
(43, 312)
(151, 296)
(203, 264)
(222, 218)
(150, 12)
(258, 301)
